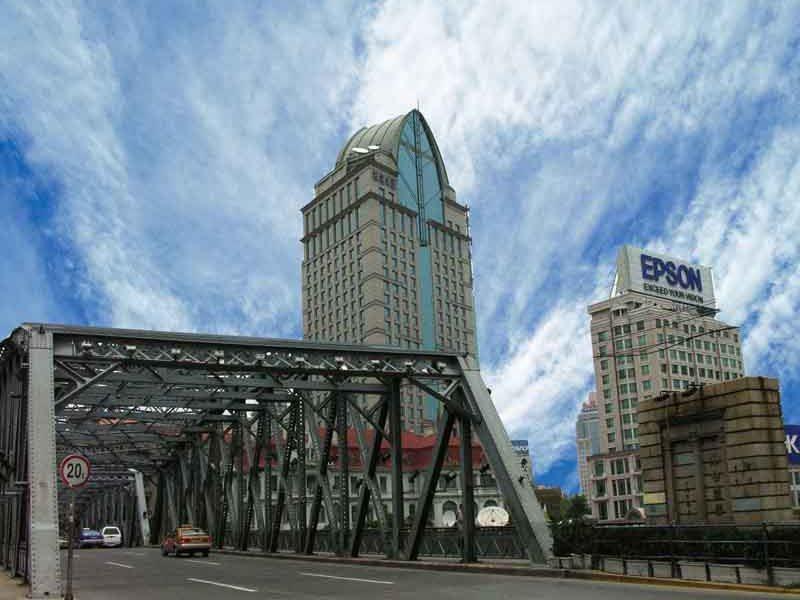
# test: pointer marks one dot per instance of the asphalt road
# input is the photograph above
(143, 574)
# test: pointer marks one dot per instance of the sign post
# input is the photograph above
(74, 470)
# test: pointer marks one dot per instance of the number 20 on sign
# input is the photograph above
(74, 470)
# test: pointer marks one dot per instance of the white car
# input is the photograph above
(112, 537)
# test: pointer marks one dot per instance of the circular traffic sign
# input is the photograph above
(74, 470)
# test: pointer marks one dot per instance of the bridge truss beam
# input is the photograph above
(213, 430)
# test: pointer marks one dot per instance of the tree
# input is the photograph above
(574, 532)
(575, 507)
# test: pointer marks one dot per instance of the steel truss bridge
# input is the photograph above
(192, 428)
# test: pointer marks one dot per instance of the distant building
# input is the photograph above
(417, 451)
(793, 453)
(522, 450)
(587, 441)
(716, 454)
(550, 498)
(656, 333)
(387, 251)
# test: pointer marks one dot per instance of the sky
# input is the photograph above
(154, 157)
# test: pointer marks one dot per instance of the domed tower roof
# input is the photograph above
(387, 136)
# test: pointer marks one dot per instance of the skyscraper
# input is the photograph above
(587, 440)
(387, 250)
(657, 332)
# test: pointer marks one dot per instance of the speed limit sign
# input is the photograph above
(74, 470)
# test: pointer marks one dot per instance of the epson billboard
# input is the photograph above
(671, 278)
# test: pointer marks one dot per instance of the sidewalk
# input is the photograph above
(11, 589)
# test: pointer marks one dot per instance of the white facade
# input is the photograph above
(644, 345)
(447, 498)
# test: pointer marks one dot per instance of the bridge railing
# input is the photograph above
(490, 543)
(764, 547)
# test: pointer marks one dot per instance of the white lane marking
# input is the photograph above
(116, 564)
(347, 578)
(134, 554)
(225, 585)
(202, 562)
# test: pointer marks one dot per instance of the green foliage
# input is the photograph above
(575, 507)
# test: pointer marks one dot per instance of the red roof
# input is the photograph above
(417, 450)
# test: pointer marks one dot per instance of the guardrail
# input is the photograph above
(760, 546)
(496, 542)
(675, 550)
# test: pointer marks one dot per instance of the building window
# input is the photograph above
(600, 488)
(621, 487)
(619, 466)
(622, 508)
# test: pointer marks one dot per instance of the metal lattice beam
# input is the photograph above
(179, 423)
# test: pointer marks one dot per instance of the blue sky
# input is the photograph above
(154, 157)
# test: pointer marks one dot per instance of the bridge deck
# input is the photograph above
(143, 573)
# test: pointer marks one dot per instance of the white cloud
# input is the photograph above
(747, 229)
(185, 145)
(184, 152)
(24, 278)
(571, 128)
(539, 389)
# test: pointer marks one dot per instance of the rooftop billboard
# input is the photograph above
(647, 272)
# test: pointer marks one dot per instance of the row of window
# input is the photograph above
(689, 329)
(327, 208)
(617, 466)
(627, 486)
(630, 435)
(342, 228)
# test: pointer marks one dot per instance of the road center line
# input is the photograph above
(116, 564)
(225, 585)
(201, 562)
(347, 578)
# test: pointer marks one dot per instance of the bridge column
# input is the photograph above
(141, 508)
(525, 510)
(344, 474)
(268, 453)
(396, 424)
(44, 564)
(468, 554)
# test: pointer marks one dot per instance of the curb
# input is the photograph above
(495, 569)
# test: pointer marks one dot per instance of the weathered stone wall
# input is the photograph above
(715, 455)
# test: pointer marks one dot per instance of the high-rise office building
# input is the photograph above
(587, 440)
(387, 256)
(656, 333)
